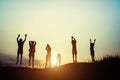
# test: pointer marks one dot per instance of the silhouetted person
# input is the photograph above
(58, 59)
(92, 49)
(74, 49)
(32, 45)
(20, 48)
(48, 56)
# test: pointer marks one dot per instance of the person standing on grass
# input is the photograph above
(48, 56)
(58, 59)
(74, 49)
(92, 52)
(32, 45)
(20, 48)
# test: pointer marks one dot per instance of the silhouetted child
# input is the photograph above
(32, 45)
(58, 59)
(92, 49)
(20, 48)
(48, 56)
(74, 49)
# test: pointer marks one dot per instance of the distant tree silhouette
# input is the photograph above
(32, 45)
(58, 59)
(74, 49)
(92, 52)
(20, 48)
(48, 56)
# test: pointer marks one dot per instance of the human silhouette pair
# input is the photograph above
(32, 45)
(74, 49)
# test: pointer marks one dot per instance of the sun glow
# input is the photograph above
(53, 61)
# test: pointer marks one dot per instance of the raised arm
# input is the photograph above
(90, 40)
(29, 43)
(46, 47)
(18, 37)
(94, 41)
(35, 43)
(74, 39)
(25, 37)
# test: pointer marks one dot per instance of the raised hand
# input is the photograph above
(90, 39)
(18, 35)
(94, 39)
(25, 35)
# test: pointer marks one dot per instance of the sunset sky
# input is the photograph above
(55, 21)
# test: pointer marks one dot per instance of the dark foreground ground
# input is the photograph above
(79, 71)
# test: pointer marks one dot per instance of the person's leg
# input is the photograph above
(59, 61)
(21, 57)
(33, 61)
(49, 61)
(76, 58)
(29, 60)
(73, 58)
(46, 62)
(93, 57)
(73, 55)
(17, 57)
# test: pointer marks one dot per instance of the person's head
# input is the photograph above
(20, 39)
(94, 39)
(48, 45)
(32, 42)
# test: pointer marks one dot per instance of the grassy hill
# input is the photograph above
(71, 71)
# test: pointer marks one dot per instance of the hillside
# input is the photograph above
(78, 71)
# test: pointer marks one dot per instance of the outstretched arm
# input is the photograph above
(25, 37)
(29, 42)
(18, 37)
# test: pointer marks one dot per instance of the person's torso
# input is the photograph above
(20, 45)
(32, 48)
(73, 43)
(92, 46)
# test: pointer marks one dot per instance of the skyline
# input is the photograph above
(54, 22)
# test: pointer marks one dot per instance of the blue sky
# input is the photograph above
(55, 21)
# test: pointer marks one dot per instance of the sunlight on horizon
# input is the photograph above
(54, 22)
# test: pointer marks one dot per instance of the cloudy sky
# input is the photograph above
(55, 21)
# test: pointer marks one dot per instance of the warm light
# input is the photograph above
(53, 61)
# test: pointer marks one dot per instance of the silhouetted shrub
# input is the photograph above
(110, 59)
